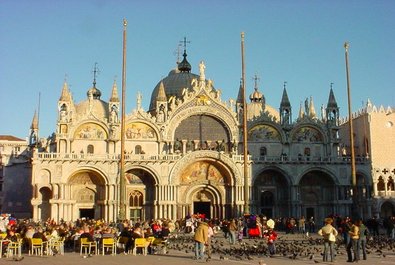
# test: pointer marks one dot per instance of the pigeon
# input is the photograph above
(18, 258)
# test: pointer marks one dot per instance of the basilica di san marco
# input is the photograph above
(185, 155)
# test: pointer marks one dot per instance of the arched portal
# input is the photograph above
(387, 210)
(45, 207)
(205, 187)
(271, 194)
(89, 192)
(141, 192)
(317, 193)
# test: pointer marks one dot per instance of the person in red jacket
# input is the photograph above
(271, 237)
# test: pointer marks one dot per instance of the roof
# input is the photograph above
(10, 138)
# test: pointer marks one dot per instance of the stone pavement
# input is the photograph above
(185, 256)
(179, 258)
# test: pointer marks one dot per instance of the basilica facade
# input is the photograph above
(185, 155)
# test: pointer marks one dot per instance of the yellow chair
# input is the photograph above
(56, 246)
(87, 246)
(109, 243)
(14, 248)
(121, 243)
(142, 243)
(3, 235)
(36, 246)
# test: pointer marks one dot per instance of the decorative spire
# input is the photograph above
(285, 100)
(312, 109)
(301, 111)
(65, 96)
(94, 93)
(185, 66)
(256, 96)
(161, 93)
(96, 71)
(240, 95)
(332, 101)
(34, 125)
(114, 93)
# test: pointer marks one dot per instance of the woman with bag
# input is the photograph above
(329, 233)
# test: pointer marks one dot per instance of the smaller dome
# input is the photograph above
(96, 93)
(256, 96)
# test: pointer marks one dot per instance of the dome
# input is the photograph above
(255, 109)
(98, 108)
(174, 83)
(256, 95)
(96, 93)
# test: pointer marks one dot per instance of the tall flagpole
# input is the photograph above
(355, 209)
(122, 189)
(245, 142)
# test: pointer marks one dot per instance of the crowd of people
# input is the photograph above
(354, 234)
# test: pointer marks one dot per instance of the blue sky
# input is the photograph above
(300, 42)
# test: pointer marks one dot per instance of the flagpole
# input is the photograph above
(245, 143)
(354, 209)
(122, 189)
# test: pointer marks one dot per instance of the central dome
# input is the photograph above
(174, 83)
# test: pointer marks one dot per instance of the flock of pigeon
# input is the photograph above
(292, 246)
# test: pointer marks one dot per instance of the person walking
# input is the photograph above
(329, 233)
(353, 256)
(363, 233)
(232, 231)
(201, 239)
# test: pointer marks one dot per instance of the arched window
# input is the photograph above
(307, 151)
(136, 201)
(390, 184)
(263, 151)
(90, 149)
(137, 149)
(380, 184)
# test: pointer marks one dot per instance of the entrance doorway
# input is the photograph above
(309, 212)
(202, 208)
(87, 213)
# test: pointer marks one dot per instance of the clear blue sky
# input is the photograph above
(300, 42)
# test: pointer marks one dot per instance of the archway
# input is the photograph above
(205, 186)
(387, 210)
(317, 193)
(141, 190)
(271, 194)
(89, 192)
(45, 207)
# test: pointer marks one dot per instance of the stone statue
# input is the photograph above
(139, 98)
(202, 67)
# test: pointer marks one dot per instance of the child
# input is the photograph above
(271, 237)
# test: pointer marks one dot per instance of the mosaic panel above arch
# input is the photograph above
(86, 178)
(307, 134)
(202, 171)
(90, 131)
(139, 131)
(263, 132)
